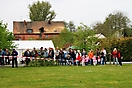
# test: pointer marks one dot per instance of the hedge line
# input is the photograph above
(123, 44)
(39, 63)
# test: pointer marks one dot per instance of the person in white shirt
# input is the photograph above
(104, 51)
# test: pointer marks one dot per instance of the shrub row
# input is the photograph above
(39, 63)
(123, 44)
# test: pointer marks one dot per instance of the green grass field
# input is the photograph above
(108, 76)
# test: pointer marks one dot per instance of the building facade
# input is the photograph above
(35, 30)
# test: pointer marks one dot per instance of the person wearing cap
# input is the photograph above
(14, 58)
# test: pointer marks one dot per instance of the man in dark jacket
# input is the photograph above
(14, 58)
(27, 54)
(119, 57)
(51, 53)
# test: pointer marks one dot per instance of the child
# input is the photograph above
(86, 60)
(94, 61)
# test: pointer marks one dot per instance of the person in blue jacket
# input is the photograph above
(14, 58)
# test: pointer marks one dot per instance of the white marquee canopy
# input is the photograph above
(30, 44)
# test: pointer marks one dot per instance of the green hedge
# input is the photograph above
(39, 63)
(124, 44)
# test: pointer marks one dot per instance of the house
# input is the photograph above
(99, 36)
(34, 30)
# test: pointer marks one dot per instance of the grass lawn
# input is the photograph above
(108, 76)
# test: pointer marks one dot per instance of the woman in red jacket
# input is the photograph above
(114, 56)
(78, 57)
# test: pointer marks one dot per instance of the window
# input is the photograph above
(55, 30)
(29, 30)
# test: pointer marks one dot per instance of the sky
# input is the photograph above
(79, 11)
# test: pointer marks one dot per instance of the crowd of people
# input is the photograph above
(63, 56)
(41, 53)
(74, 57)
(5, 57)
(83, 58)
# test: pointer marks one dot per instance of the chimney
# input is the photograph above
(25, 23)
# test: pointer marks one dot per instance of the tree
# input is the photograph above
(128, 32)
(65, 39)
(115, 23)
(98, 27)
(6, 37)
(123, 44)
(70, 26)
(40, 11)
(84, 37)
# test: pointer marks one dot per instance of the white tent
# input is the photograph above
(34, 43)
(30, 44)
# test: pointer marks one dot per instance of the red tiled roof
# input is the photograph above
(20, 27)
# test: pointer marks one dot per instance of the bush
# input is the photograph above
(123, 44)
(39, 63)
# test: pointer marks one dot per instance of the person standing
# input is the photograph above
(45, 53)
(114, 56)
(14, 58)
(102, 57)
(34, 54)
(91, 55)
(27, 54)
(51, 54)
(97, 54)
(7, 54)
(85, 57)
(105, 58)
(84, 53)
(119, 57)
(72, 56)
(61, 56)
(2, 53)
(65, 55)
(78, 58)
(57, 53)
(41, 52)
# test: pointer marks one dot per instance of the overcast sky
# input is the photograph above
(86, 11)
